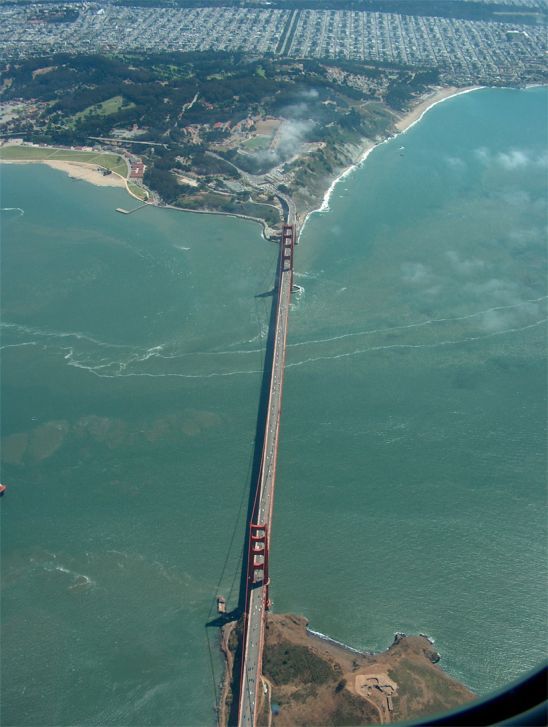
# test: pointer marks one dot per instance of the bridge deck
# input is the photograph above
(257, 594)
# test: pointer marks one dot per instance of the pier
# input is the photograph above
(130, 212)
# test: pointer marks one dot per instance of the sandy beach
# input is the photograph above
(76, 170)
(427, 102)
(405, 122)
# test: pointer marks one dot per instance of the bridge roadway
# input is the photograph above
(257, 594)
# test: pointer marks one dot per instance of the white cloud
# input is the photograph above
(516, 197)
(514, 159)
(455, 163)
(523, 236)
(309, 93)
(496, 321)
(494, 290)
(465, 266)
(482, 154)
(415, 273)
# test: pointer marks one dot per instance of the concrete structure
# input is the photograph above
(257, 600)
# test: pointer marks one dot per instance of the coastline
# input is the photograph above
(266, 230)
(76, 170)
(315, 678)
(404, 123)
(81, 171)
(88, 173)
(414, 115)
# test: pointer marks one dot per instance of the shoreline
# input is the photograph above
(81, 171)
(76, 170)
(265, 228)
(404, 123)
(403, 681)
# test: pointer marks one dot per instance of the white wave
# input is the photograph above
(419, 324)
(61, 334)
(229, 352)
(13, 209)
(15, 345)
(324, 637)
(123, 373)
(80, 580)
(261, 335)
(438, 344)
(313, 276)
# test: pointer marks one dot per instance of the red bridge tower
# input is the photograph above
(257, 571)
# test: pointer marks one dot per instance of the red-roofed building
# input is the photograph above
(137, 170)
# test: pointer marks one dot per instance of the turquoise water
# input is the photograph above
(127, 441)
(411, 485)
(413, 464)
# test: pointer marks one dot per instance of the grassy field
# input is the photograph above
(138, 191)
(257, 143)
(33, 153)
(105, 108)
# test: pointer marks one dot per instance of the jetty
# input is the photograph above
(130, 212)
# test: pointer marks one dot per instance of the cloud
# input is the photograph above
(493, 321)
(467, 266)
(296, 110)
(496, 321)
(482, 154)
(291, 135)
(309, 93)
(289, 138)
(415, 273)
(455, 163)
(529, 235)
(516, 198)
(512, 159)
(494, 290)
(499, 320)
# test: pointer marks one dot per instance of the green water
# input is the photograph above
(127, 439)
(411, 485)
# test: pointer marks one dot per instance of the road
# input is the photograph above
(258, 594)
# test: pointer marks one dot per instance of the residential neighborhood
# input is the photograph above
(464, 51)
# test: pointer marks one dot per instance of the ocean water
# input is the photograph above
(412, 480)
(128, 435)
(412, 473)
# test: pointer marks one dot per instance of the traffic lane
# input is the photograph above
(257, 595)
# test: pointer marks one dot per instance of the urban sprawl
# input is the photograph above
(463, 51)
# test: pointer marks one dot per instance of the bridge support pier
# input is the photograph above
(257, 571)
(288, 249)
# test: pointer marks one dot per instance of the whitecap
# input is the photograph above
(324, 637)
